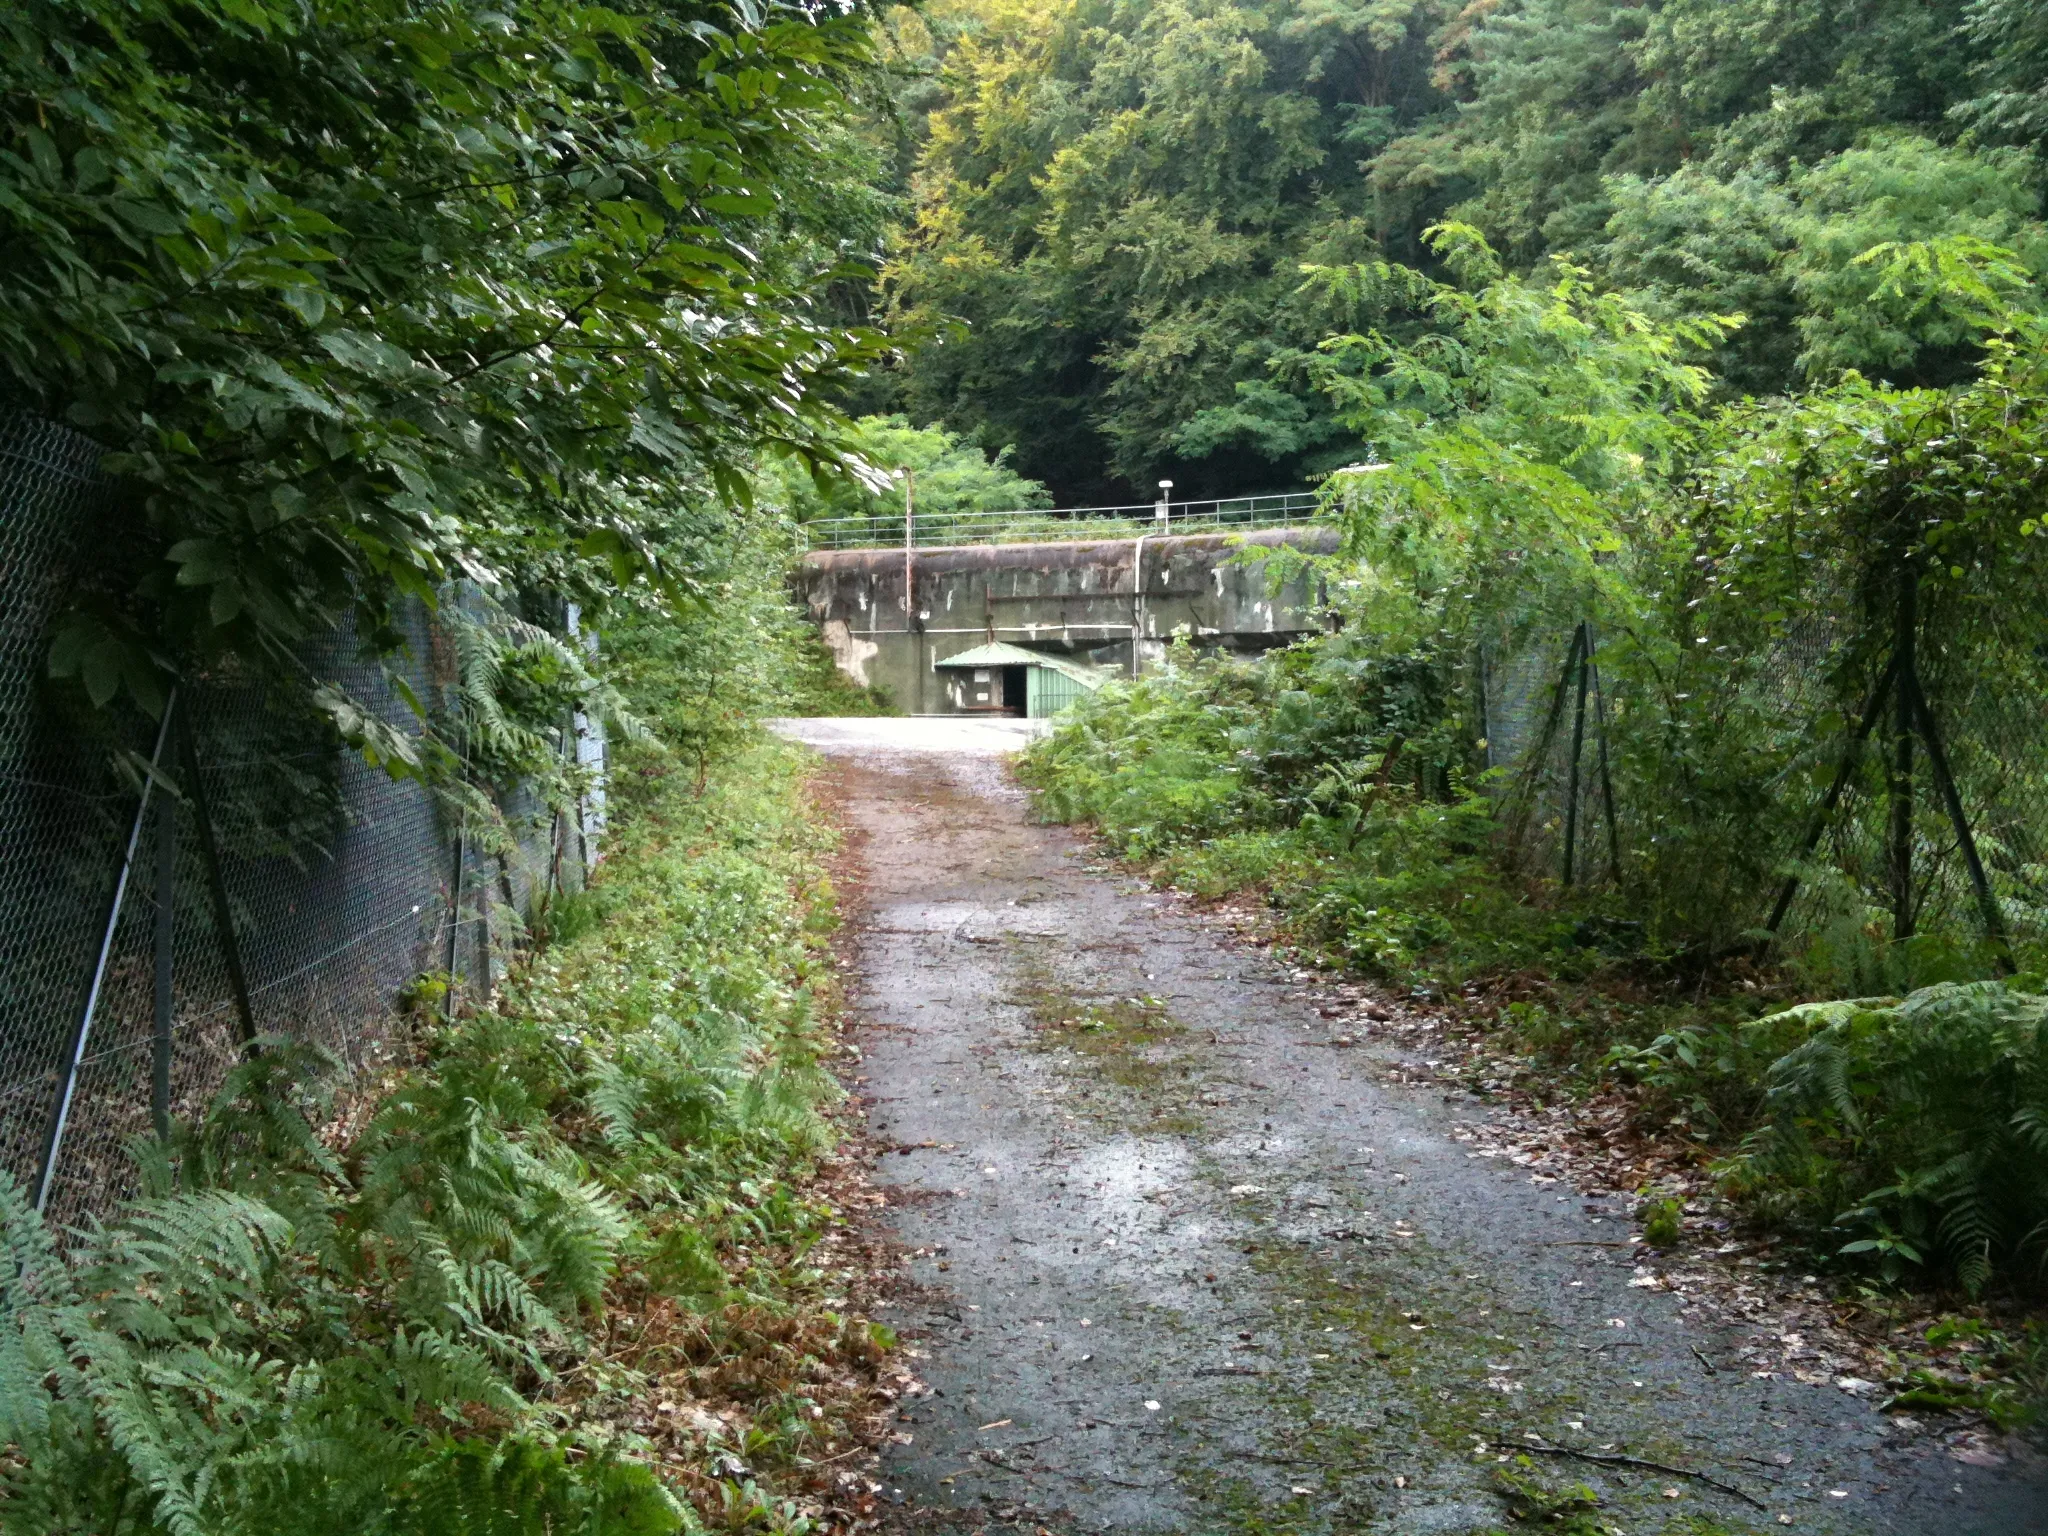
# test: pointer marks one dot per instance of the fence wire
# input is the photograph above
(341, 884)
(1751, 798)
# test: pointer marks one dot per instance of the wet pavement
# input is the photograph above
(1181, 1264)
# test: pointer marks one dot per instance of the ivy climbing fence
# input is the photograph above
(171, 889)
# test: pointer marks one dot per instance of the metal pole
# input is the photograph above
(1571, 799)
(910, 590)
(1525, 792)
(166, 933)
(1137, 599)
(1485, 716)
(1901, 831)
(1937, 761)
(483, 943)
(1606, 774)
(217, 884)
(1851, 756)
(455, 910)
(74, 1055)
(1162, 510)
(909, 543)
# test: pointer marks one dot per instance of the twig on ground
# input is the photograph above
(1617, 1458)
(1093, 1477)
(826, 1461)
(1284, 1461)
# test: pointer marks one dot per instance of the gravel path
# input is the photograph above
(1179, 1264)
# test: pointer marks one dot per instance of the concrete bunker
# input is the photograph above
(898, 618)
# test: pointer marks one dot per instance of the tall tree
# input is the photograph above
(1116, 199)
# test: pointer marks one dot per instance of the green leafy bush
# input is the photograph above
(1321, 778)
(1920, 1125)
(365, 297)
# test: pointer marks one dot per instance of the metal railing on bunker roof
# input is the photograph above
(1235, 514)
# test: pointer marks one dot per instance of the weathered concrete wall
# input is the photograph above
(1111, 602)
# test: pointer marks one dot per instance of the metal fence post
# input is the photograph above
(1852, 754)
(1571, 797)
(455, 910)
(217, 884)
(1606, 773)
(1525, 792)
(74, 1054)
(1899, 842)
(1952, 800)
(165, 998)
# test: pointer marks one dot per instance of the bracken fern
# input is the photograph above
(1922, 1121)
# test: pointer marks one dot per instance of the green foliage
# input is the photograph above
(1277, 776)
(368, 297)
(1533, 1499)
(2003, 1377)
(406, 1333)
(1923, 1121)
(519, 687)
(1523, 436)
(1555, 457)
(1868, 201)
(2008, 40)
(1113, 198)
(1787, 248)
(1660, 1223)
(742, 652)
(950, 476)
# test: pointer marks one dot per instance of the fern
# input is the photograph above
(1927, 1117)
(518, 1488)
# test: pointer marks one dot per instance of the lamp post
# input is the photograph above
(1160, 509)
(909, 538)
(909, 588)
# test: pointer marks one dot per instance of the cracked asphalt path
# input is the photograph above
(1178, 1265)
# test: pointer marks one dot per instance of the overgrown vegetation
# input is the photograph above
(1792, 635)
(562, 1272)
(366, 299)
(945, 476)
(1691, 355)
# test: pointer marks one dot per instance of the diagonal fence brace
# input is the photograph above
(217, 887)
(81, 1033)
(1852, 755)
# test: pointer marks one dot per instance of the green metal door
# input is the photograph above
(1048, 692)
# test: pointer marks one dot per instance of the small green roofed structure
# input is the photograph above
(1002, 679)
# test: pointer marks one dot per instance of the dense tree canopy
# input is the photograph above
(1117, 199)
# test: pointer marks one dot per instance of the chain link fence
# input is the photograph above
(1876, 774)
(151, 920)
